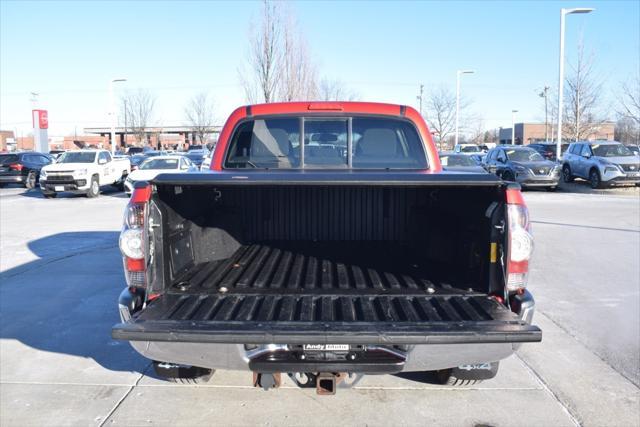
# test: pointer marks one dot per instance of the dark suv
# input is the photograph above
(23, 168)
(548, 150)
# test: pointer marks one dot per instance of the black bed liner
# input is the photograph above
(268, 295)
(315, 268)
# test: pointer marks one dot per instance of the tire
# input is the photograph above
(552, 189)
(508, 176)
(467, 375)
(594, 179)
(120, 184)
(30, 182)
(566, 174)
(48, 195)
(182, 373)
(94, 188)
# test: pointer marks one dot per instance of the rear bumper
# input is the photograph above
(8, 179)
(435, 345)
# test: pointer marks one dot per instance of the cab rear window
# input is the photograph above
(358, 142)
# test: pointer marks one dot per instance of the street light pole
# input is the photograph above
(458, 98)
(513, 126)
(563, 13)
(113, 115)
(545, 94)
(420, 97)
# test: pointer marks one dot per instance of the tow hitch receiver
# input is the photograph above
(267, 381)
(327, 382)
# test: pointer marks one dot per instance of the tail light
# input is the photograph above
(16, 167)
(133, 237)
(520, 241)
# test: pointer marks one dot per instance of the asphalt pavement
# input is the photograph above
(61, 273)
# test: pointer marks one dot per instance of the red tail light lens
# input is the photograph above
(133, 238)
(16, 166)
(520, 241)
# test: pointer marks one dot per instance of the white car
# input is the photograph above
(154, 166)
(206, 162)
(84, 172)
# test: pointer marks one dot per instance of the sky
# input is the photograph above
(69, 51)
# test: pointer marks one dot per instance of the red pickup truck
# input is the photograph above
(326, 243)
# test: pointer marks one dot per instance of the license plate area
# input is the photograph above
(59, 188)
(325, 347)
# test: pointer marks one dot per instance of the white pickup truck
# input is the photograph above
(83, 171)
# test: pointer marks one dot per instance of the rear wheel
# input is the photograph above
(30, 182)
(467, 375)
(94, 188)
(594, 179)
(182, 373)
(566, 174)
(508, 176)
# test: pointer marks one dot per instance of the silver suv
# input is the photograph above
(602, 163)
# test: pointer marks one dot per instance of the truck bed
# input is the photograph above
(314, 268)
(307, 294)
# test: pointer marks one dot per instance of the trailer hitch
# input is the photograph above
(267, 381)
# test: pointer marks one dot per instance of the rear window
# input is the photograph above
(6, 159)
(329, 143)
(160, 164)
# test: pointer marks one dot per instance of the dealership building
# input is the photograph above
(529, 133)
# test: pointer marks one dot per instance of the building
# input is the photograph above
(159, 136)
(529, 133)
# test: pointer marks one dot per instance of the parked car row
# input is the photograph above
(601, 163)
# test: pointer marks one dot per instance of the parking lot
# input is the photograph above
(61, 274)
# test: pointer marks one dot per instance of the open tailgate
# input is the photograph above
(338, 319)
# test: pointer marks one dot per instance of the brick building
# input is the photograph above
(529, 133)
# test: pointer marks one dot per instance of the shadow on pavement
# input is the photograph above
(108, 191)
(423, 377)
(66, 302)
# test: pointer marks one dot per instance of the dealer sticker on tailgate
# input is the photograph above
(326, 347)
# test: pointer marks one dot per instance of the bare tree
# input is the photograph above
(582, 96)
(260, 81)
(630, 100)
(441, 113)
(334, 90)
(477, 134)
(298, 76)
(627, 131)
(279, 65)
(137, 107)
(199, 114)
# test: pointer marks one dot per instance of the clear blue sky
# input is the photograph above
(67, 51)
